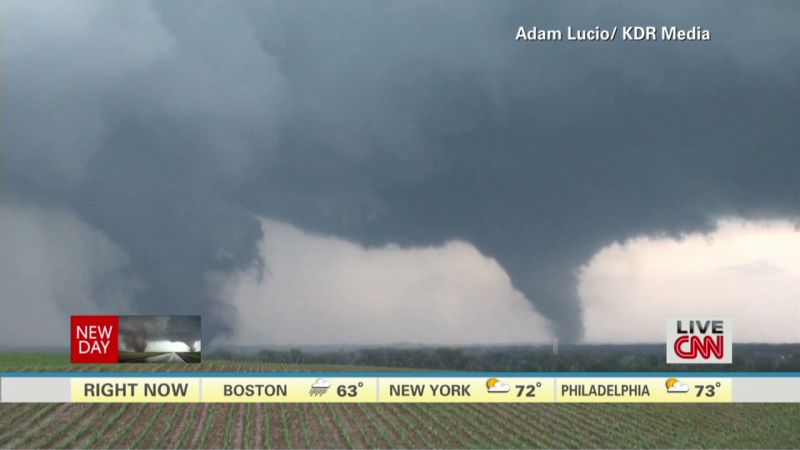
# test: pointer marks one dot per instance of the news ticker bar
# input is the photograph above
(310, 388)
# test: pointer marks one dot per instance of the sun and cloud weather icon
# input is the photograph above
(674, 385)
(319, 388)
(495, 386)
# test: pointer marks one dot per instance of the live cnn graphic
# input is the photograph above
(699, 340)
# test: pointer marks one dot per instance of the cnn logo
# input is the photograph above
(699, 340)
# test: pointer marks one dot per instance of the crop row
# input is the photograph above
(393, 426)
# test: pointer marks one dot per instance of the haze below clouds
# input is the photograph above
(323, 290)
(145, 142)
(749, 271)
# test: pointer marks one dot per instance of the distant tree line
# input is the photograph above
(595, 358)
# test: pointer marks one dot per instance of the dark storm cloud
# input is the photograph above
(169, 126)
(143, 125)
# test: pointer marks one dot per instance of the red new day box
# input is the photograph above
(95, 339)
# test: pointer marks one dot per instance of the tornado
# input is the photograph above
(172, 141)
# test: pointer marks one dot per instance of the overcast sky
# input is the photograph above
(146, 145)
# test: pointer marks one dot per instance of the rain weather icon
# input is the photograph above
(495, 386)
(676, 386)
(319, 388)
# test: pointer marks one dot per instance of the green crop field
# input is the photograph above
(378, 425)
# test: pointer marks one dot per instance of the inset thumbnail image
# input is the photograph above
(159, 339)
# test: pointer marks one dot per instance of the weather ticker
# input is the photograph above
(398, 388)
